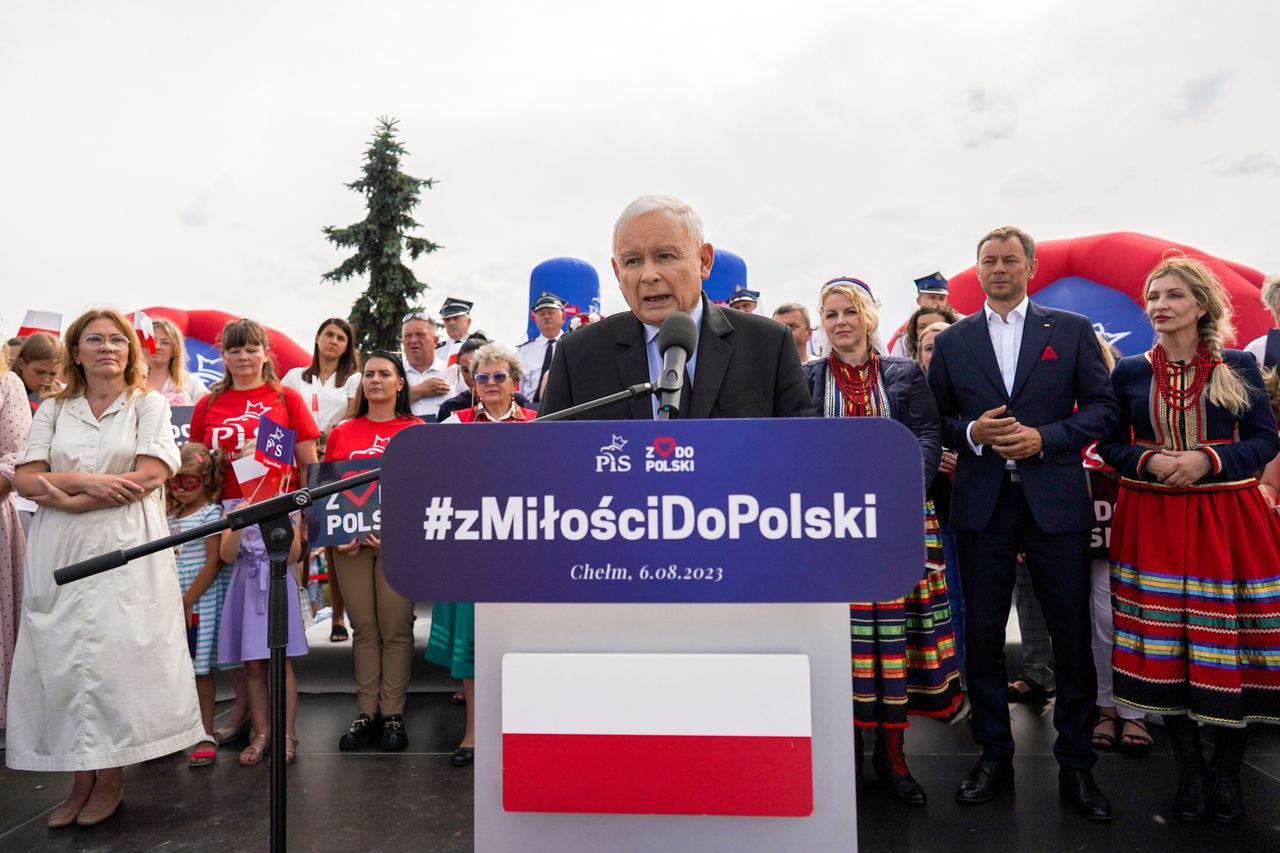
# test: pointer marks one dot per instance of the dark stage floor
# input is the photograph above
(371, 801)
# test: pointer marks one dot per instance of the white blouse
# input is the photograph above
(327, 400)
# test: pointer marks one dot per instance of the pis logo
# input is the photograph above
(611, 459)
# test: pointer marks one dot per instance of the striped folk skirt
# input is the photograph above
(904, 651)
(1195, 586)
(452, 642)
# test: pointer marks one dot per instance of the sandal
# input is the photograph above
(338, 633)
(1135, 737)
(232, 734)
(290, 748)
(203, 757)
(253, 753)
(1106, 729)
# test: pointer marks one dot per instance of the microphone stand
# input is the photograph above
(272, 518)
(635, 392)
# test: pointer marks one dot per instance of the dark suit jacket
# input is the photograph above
(747, 368)
(910, 402)
(1067, 398)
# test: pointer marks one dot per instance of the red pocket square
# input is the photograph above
(1048, 354)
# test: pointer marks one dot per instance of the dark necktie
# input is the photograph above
(546, 365)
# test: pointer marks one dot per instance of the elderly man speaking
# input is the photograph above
(744, 367)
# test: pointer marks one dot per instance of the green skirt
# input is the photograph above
(452, 643)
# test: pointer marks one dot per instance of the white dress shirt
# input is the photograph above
(1006, 340)
(655, 357)
(424, 406)
(1258, 349)
(532, 352)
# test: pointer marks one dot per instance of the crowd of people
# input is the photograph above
(1024, 416)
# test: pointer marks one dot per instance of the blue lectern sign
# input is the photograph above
(800, 510)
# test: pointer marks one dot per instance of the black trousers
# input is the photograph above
(1059, 568)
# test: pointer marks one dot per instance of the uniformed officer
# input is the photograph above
(744, 299)
(455, 314)
(535, 353)
(931, 291)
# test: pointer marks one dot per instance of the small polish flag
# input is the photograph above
(146, 330)
(699, 734)
(254, 477)
(49, 322)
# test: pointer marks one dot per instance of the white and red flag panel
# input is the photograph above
(41, 321)
(713, 734)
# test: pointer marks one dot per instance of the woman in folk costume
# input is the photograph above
(1195, 549)
(903, 651)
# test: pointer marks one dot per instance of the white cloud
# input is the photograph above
(169, 154)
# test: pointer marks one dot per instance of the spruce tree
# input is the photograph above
(380, 241)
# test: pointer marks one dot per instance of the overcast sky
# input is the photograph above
(188, 155)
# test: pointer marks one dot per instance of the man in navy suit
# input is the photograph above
(1021, 389)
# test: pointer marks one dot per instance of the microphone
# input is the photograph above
(676, 341)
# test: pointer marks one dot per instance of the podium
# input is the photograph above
(680, 589)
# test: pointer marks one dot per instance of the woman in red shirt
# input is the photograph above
(228, 419)
(381, 618)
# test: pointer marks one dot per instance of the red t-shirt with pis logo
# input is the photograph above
(360, 438)
(230, 419)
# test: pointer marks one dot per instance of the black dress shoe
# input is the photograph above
(1034, 694)
(1078, 787)
(463, 756)
(986, 778)
(394, 737)
(362, 730)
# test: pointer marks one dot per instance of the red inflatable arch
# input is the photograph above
(207, 326)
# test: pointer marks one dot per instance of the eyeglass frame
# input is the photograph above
(114, 342)
(476, 377)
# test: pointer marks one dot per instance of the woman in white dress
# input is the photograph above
(101, 675)
(167, 367)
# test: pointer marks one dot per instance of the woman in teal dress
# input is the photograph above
(495, 376)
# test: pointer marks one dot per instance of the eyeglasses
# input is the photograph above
(98, 342)
(184, 483)
(498, 378)
(417, 315)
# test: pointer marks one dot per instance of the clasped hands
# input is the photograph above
(353, 547)
(1005, 435)
(1178, 468)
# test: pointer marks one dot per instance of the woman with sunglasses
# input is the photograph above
(101, 665)
(496, 374)
(381, 618)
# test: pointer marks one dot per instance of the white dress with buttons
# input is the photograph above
(101, 673)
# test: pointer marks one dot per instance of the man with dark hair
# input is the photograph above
(1021, 390)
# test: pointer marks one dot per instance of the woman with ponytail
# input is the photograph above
(1195, 550)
